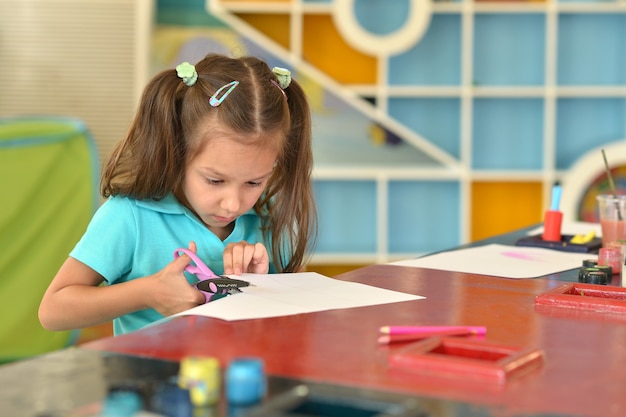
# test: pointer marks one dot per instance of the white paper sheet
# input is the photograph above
(286, 294)
(501, 261)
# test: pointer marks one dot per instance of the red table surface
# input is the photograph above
(584, 372)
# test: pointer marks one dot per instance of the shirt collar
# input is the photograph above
(170, 205)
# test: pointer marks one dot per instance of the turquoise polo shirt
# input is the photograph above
(128, 239)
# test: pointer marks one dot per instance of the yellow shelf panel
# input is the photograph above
(500, 207)
(274, 26)
(323, 46)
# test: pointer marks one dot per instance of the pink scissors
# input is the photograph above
(213, 286)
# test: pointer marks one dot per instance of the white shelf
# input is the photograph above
(537, 100)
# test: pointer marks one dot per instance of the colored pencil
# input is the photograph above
(479, 330)
(395, 338)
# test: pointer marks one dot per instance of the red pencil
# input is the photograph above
(479, 330)
(395, 338)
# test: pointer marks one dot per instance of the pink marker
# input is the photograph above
(477, 330)
(411, 337)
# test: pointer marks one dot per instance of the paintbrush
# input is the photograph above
(611, 185)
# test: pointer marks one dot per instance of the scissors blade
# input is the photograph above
(221, 284)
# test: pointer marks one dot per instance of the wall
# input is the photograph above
(458, 131)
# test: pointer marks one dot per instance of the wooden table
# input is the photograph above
(584, 373)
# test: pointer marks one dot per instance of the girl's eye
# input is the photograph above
(254, 183)
(213, 182)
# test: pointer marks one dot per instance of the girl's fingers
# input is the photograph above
(243, 257)
(259, 255)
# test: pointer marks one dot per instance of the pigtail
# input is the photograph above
(148, 162)
(291, 196)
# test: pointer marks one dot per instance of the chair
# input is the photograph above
(48, 193)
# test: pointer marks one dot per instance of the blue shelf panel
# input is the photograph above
(592, 49)
(423, 216)
(378, 18)
(347, 216)
(585, 123)
(436, 119)
(508, 134)
(428, 63)
(509, 49)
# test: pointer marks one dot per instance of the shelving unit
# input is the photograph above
(497, 100)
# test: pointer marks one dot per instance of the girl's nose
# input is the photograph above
(230, 201)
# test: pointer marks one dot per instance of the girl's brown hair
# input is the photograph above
(174, 121)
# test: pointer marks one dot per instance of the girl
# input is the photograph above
(219, 159)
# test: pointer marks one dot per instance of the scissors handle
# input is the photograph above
(200, 270)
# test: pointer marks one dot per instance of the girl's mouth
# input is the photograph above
(224, 219)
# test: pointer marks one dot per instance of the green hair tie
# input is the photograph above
(187, 72)
(283, 76)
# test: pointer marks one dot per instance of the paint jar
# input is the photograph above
(608, 270)
(245, 381)
(590, 263)
(598, 277)
(123, 403)
(583, 274)
(201, 376)
(611, 256)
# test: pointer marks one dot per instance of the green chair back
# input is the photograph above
(48, 193)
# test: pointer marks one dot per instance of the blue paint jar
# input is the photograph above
(122, 404)
(245, 381)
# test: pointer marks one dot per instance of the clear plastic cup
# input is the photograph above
(612, 214)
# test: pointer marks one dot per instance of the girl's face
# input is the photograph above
(225, 180)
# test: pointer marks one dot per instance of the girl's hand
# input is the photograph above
(172, 293)
(243, 257)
